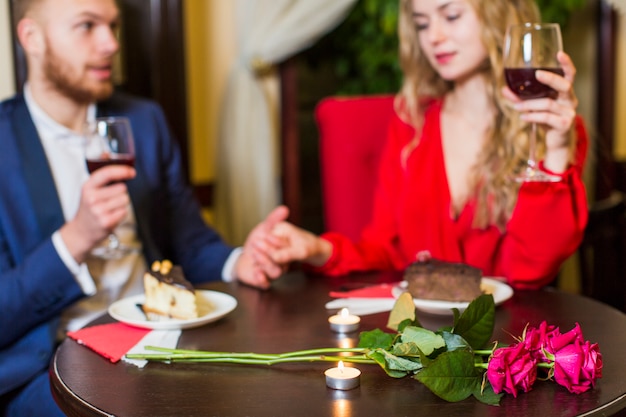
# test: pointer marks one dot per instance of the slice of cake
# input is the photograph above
(446, 281)
(168, 293)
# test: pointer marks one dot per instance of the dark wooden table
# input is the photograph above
(291, 316)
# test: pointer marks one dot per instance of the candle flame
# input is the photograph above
(344, 312)
(340, 366)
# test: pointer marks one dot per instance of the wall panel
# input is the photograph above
(7, 80)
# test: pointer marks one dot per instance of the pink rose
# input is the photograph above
(536, 339)
(577, 366)
(512, 368)
(557, 340)
(576, 362)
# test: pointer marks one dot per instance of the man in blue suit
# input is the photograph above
(52, 213)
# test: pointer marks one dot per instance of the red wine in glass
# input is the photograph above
(109, 141)
(527, 48)
(524, 84)
(105, 160)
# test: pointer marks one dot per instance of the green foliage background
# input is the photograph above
(365, 45)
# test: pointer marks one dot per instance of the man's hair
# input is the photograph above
(20, 8)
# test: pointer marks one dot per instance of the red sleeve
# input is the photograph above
(547, 225)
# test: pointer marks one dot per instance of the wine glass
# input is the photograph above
(109, 141)
(530, 47)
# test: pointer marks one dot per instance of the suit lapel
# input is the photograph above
(41, 187)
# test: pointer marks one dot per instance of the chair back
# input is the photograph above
(352, 135)
(602, 253)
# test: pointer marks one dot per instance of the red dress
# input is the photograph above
(412, 213)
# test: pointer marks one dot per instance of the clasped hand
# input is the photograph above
(275, 243)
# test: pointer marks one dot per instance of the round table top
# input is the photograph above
(291, 316)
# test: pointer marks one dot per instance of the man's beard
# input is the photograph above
(59, 75)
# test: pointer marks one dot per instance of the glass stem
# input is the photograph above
(114, 242)
(532, 146)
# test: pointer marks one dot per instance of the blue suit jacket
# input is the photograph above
(35, 285)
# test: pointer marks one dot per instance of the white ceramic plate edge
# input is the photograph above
(126, 311)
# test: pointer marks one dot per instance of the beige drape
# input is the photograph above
(248, 177)
(619, 5)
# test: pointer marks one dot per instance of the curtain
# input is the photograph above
(619, 5)
(247, 166)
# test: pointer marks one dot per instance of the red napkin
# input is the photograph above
(374, 291)
(109, 340)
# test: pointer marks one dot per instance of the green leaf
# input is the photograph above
(558, 11)
(452, 376)
(487, 395)
(426, 340)
(404, 323)
(376, 338)
(403, 309)
(454, 341)
(455, 315)
(406, 349)
(397, 363)
(380, 357)
(476, 323)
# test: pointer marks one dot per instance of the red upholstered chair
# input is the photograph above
(352, 134)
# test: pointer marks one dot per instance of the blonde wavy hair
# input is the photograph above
(506, 148)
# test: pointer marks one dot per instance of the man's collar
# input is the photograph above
(44, 121)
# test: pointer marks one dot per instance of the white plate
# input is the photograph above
(500, 290)
(212, 306)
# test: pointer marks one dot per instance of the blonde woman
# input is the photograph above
(459, 137)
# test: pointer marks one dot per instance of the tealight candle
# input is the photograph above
(342, 377)
(344, 322)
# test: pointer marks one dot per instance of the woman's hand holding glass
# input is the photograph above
(538, 48)
(555, 115)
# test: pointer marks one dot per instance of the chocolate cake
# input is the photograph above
(168, 293)
(433, 279)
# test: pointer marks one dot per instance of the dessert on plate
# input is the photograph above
(432, 279)
(168, 293)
